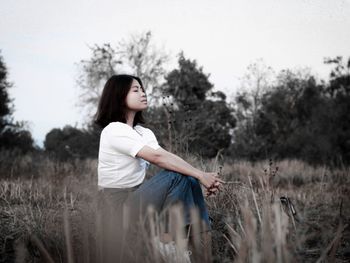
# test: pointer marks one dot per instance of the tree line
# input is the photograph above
(288, 114)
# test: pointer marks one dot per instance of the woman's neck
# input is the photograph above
(130, 116)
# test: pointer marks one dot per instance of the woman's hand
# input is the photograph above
(209, 180)
(213, 190)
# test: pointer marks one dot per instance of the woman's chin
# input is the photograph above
(143, 108)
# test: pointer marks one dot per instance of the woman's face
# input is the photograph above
(136, 99)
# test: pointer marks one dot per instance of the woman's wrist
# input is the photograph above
(198, 175)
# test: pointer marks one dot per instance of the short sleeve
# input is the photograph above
(152, 140)
(129, 144)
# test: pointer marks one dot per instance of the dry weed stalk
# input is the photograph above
(32, 210)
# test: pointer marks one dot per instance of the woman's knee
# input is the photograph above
(176, 176)
(194, 181)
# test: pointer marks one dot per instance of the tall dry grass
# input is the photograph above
(49, 213)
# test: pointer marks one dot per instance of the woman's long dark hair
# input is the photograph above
(112, 104)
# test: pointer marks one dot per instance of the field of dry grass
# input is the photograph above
(267, 212)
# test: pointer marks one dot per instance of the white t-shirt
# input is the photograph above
(118, 166)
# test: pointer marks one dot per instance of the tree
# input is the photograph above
(299, 117)
(146, 61)
(136, 55)
(13, 135)
(71, 142)
(339, 77)
(199, 119)
(339, 92)
(255, 83)
(6, 105)
(285, 119)
(94, 73)
(247, 104)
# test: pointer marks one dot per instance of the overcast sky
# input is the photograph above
(41, 41)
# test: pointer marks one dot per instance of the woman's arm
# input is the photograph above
(170, 161)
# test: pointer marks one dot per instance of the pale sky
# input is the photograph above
(41, 41)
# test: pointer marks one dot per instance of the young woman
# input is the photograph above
(127, 148)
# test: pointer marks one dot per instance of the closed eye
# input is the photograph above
(136, 89)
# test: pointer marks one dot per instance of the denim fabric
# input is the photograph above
(161, 191)
(167, 188)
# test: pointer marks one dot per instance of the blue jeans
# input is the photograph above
(161, 191)
(167, 188)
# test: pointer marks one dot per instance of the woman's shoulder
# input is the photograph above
(117, 128)
(143, 129)
(113, 126)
